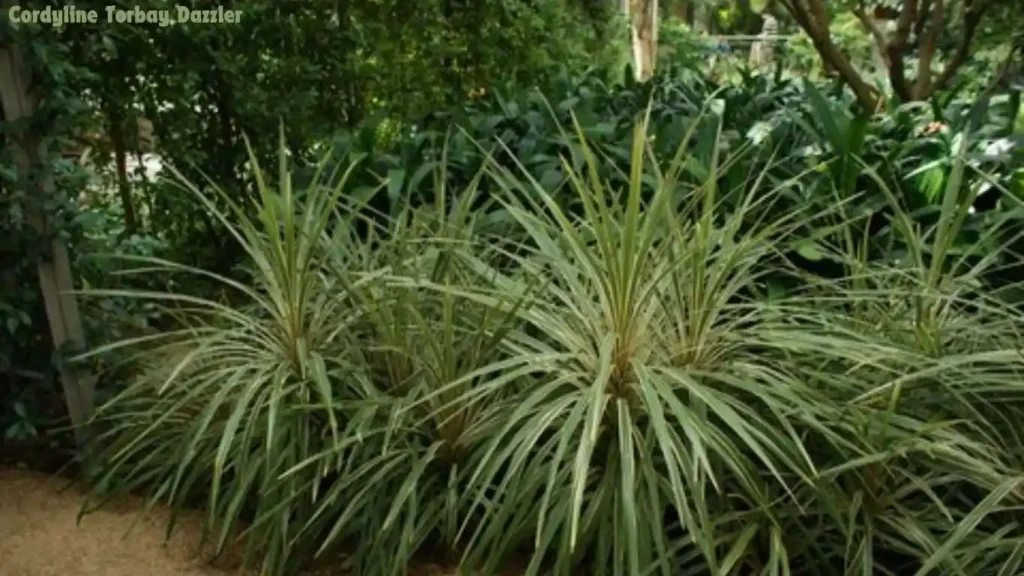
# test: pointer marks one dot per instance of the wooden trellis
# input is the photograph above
(55, 279)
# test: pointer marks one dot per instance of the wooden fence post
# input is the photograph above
(55, 278)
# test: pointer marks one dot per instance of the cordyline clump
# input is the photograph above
(608, 390)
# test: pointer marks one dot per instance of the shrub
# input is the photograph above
(608, 389)
(770, 126)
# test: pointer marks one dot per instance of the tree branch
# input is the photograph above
(807, 14)
(876, 32)
(798, 13)
(922, 21)
(927, 54)
(896, 51)
(813, 18)
(971, 21)
(819, 14)
(907, 16)
(1003, 72)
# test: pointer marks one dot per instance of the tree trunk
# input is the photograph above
(821, 17)
(55, 279)
(117, 140)
(644, 24)
(449, 62)
(813, 19)
(224, 101)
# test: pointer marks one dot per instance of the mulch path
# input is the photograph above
(40, 536)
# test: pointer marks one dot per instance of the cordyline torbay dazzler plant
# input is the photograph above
(609, 387)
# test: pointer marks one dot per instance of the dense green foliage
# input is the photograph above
(784, 129)
(470, 289)
(450, 335)
(419, 381)
(319, 66)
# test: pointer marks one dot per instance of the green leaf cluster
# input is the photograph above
(607, 390)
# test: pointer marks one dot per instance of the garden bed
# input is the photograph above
(40, 536)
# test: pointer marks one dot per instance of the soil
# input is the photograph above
(40, 536)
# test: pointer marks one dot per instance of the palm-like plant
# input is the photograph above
(604, 388)
(925, 371)
(429, 353)
(244, 391)
(645, 398)
(674, 424)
